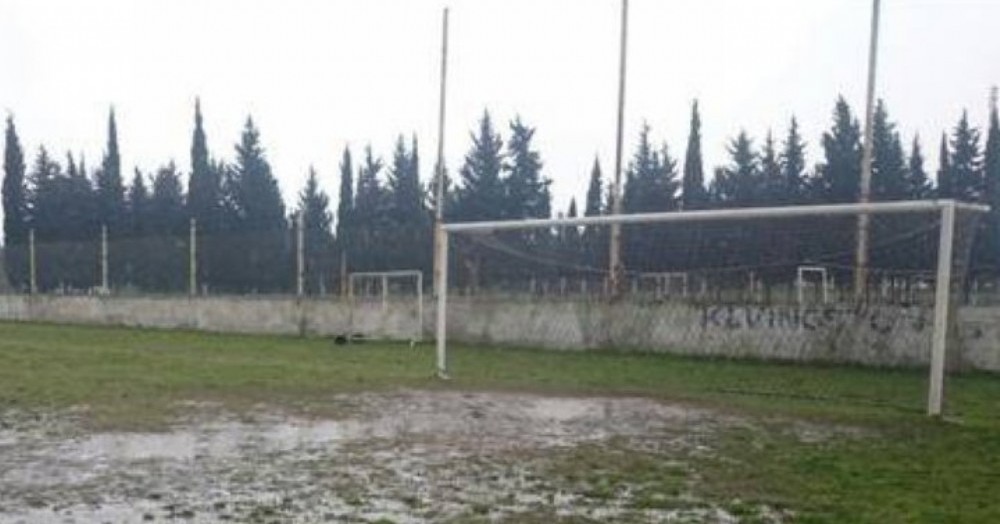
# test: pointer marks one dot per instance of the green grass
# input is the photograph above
(905, 467)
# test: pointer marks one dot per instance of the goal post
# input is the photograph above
(389, 304)
(672, 243)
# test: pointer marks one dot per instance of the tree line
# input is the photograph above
(383, 219)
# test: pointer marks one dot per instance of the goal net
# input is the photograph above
(387, 305)
(758, 283)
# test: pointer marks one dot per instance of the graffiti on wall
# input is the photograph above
(881, 319)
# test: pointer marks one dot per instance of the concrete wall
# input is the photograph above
(878, 336)
(243, 314)
(882, 336)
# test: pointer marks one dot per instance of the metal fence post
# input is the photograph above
(299, 256)
(193, 257)
(105, 288)
(32, 273)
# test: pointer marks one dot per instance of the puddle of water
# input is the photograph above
(409, 456)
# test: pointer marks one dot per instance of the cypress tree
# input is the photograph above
(140, 249)
(570, 243)
(594, 191)
(345, 213)
(525, 195)
(167, 224)
(480, 195)
(650, 179)
(739, 183)
(837, 179)
(889, 171)
(988, 239)
(314, 208)
(793, 165)
(918, 184)
(771, 180)
(110, 188)
(260, 218)
(945, 181)
(527, 191)
(991, 163)
(693, 193)
(966, 162)
(44, 203)
(259, 199)
(204, 185)
(371, 216)
(889, 182)
(651, 185)
(593, 236)
(15, 207)
(138, 205)
(80, 202)
(370, 200)
(409, 234)
(404, 184)
(166, 203)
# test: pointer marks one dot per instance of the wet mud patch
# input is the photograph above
(408, 456)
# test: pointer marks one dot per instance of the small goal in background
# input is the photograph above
(387, 305)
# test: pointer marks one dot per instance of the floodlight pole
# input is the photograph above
(439, 163)
(440, 235)
(864, 220)
(439, 167)
(615, 267)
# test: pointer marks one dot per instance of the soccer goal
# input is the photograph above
(823, 284)
(721, 282)
(387, 304)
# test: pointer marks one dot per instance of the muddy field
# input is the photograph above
(407, 456)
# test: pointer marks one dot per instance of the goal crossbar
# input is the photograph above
(711, 215)
(946, 208)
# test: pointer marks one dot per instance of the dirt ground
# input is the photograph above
(404, 456)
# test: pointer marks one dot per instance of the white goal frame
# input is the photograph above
(800, 282)
(384, 277)
(947, 209)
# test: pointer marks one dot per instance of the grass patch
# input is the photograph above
(905, 468)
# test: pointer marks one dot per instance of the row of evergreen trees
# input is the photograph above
(383, 218)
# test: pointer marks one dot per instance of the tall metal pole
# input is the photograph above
(32, 271)
(439, 167)
(439, 163)
(616, 269)
(193, 257)
(864, 220)
(441, 318)
(105, 287)
(300, 262)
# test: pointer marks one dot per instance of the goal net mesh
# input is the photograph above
(762, 288)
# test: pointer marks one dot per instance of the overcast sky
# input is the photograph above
(318, 75)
